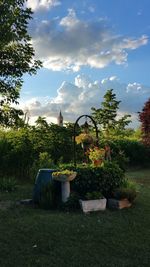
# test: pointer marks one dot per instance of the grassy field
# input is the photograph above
(34, 237)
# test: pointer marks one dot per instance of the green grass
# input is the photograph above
(34, 237)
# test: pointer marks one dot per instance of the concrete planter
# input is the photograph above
(64, 177)
(118, 204)
(93, 205)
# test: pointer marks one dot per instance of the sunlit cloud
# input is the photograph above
(42, 4)
(75, 99)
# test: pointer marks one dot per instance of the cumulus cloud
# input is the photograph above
(69, 43)
(42, 4)
(75, 99)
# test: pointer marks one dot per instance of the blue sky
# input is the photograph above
(87, 47)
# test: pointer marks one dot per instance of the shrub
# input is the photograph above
(72, 202)
(8, 184)
(104, 179)
(125, 193)
(128, 190)
(93, 195)
(44, 161)
(133, 153)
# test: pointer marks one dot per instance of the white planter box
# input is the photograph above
(93, 205)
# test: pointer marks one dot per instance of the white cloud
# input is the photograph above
(91, 9)
(42, 4)
(70, 43)
(75, 99)
(70, 21)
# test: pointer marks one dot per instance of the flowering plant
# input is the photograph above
(84, 137)
(96, 155)
(64, 176)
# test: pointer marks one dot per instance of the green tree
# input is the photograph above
(145, 123)
(106, 116)
(16, 57)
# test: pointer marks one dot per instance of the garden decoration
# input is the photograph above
(85, 139)
(44, 176)
(94, 201)
(64, 177)
(96, 155)
(123, 197)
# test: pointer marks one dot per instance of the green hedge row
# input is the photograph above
(104, 179)
(136, 153)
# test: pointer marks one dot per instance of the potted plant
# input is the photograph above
(123, 197)
(96, 155)
(64, 177)
(94, 201)
(84, 138)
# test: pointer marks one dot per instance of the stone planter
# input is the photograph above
(64, 177)
(93, 205)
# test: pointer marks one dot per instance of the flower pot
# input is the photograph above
(113, 203)
(93, 205)
(97, 162)
(64, 177)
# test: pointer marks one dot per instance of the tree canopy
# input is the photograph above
(16, 56)
(106, 116)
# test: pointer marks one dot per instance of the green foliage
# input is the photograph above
(56, 140)
(135, 153)
(8, 184)
(72, 202)
(104, 179)
(125, 193)
(93, 195)
(16, 153)
(44, 161)
(25, 150)
(145, 123)
(16, 57)
(106, 115)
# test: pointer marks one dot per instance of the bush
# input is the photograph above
(72, 202)
(94, 195)
(8, 184)
(128, 190)
(136, 153)
(44, 161)
(125, 193)
(104, 179)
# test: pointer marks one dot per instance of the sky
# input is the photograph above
(88, 47)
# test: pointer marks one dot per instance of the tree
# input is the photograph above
(16, 57)
(106, 115)
(145, 123)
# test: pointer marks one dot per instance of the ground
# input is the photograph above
(35, 237)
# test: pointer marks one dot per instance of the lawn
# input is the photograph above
(35, 237)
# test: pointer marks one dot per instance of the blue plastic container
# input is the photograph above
(43, 177)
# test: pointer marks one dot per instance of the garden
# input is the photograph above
(71, 195)
(51, 220)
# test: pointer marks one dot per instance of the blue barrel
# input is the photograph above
(43, 177)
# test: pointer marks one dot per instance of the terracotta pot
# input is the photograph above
(97, 162)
